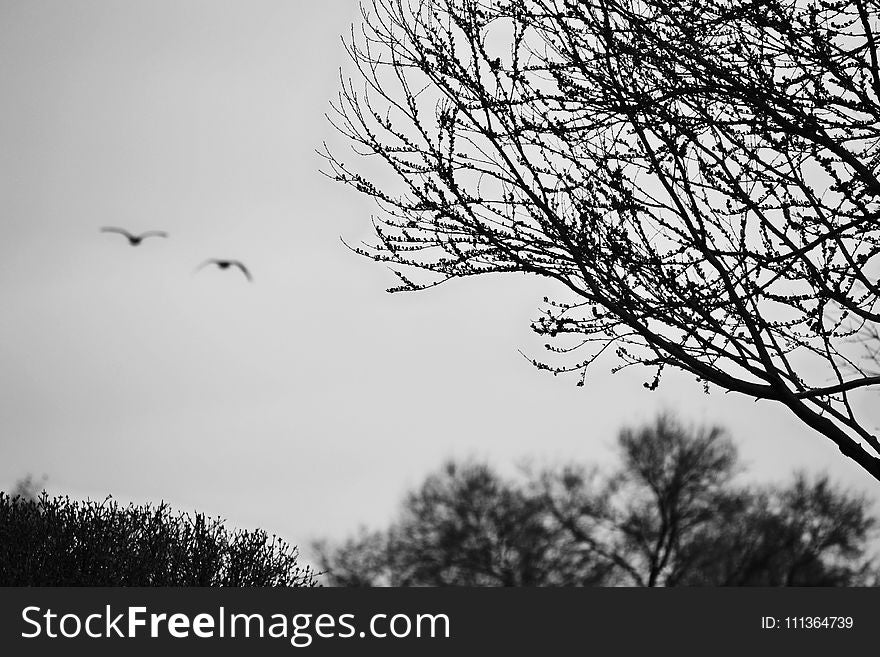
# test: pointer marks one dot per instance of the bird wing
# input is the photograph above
(114, 229)
(244, 270)
(153, 233)
(209, 261)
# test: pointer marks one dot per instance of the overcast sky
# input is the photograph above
(307, 402)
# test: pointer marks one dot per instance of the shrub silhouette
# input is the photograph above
(63, 542)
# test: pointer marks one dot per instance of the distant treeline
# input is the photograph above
(670, 514)
(62, 542)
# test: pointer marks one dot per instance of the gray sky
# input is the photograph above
(308, 402)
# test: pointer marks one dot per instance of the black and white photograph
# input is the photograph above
(438, 294)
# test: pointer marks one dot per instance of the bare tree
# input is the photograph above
(807, 534)
(672, 486)
(700, 177)
(465, 526)
(670, 515)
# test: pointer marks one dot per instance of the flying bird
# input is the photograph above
(226, 264)
(134, 240)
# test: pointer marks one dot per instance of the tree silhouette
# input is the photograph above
(805, 535)
(670, 515)
(670, 486)
(699, 176)
(463, 526)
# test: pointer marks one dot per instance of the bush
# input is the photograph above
(63, 542)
